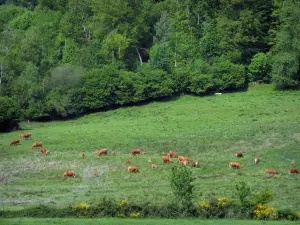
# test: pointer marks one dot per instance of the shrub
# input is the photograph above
(9, 113)
(263, 212)
(181, 182)
(288, 214)
(260, 69)
(217, 208)
(265, 196)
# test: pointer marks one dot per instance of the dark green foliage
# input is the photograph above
(260, 68)
(10, 114)
(161, 48)
(287, 214)
(286, 51)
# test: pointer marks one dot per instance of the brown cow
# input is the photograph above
(133, 169)
(183, 158)
(69, 174)
(25, 136)
(239, 154)
(166, 159)
(15, 142)
(128, 162)
(184, 162)
(82, 154)
(44, 151)
(293, 170)
(272, 172)
(136, 151)
(257, 160)
(235, 165)
(154, 166)
(172, 155)
(102, 152)
(195, 163)
(37, 144)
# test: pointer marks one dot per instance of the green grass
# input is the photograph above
(113, 221)
(259, 122)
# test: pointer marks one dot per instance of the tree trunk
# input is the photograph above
(139, 55)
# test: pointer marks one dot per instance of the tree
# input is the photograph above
(9, 114)
(181, 183)
(286, 51)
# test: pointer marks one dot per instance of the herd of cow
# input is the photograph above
(166, 158)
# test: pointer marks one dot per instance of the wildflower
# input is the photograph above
(204, 205)
(135, 215)
(123, 202)
(263, 211)
(222, 201)
(81, 206)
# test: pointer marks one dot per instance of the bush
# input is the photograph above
(260, 69)
(287, 214)
(181, 183)
(9, 114)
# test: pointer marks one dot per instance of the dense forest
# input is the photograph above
(61, 58)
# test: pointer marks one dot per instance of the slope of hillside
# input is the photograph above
(259, 122)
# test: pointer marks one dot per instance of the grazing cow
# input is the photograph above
(69, 174)
(82, 154)
(25, 136)
(166, 159)
(136, 151)
(113, 153)
(195, 163)
(133, 169)
(37, 144)
(44, 151)
(102, 152)
(293, 170)
(15, 142)
(172, 154)
(235, 165)
(128, 162)
(272, 172)
(150, 160)
(257, 160)
(154, 166)
(239, 154)
(184, 162)
(96, 174)
(183, 158)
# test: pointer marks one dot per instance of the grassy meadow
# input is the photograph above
(260, 122)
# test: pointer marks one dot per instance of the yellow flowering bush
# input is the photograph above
(264, 211)
(297, 215)
(135, 215)
(222, 201)
(123, 202)
(204, 205)
(81, 206)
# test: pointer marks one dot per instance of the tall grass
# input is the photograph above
(260, 122)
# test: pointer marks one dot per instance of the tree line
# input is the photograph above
(60, 57)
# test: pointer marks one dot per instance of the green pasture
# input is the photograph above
(113, 221)
(260, 122)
